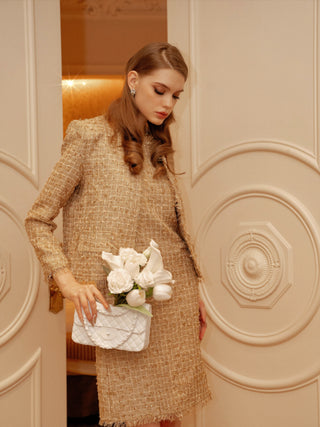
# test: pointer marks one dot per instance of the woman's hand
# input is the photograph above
(202, 319)
(83, 296)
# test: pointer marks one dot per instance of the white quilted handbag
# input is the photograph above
(117, 327)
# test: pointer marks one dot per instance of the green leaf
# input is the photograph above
(141, 309)
(149, 292)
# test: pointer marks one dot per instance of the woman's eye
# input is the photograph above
(176, 97)
(158, 92)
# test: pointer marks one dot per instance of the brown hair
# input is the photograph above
(123, 113)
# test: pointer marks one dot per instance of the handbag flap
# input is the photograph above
(114, 326)
(117, 327)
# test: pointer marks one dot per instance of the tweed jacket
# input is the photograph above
(100, 199)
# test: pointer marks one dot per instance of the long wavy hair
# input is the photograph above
(123, 113)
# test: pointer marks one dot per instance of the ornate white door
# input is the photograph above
(249, 139)
(32, 340)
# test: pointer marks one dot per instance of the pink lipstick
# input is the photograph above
(162, 115)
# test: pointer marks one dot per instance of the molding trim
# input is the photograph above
(30, 370)
(33, 285)
(198, 169)
(278, 147)
(316, 79)
(5, 274)
(311, 228)
(194, 111)
(30, 169)
(200, 417)
(31, 77)
(291, 383)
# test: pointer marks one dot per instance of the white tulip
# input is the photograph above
(148, 251)
(136, 297)
(162, 277)
(114, 261)
(162, 292)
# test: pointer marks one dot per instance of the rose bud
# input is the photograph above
(136, 297)
(162, 292)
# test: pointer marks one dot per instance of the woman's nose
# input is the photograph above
(168, 102)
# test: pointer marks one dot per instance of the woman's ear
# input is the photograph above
(132, 79)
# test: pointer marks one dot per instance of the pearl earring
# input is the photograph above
(133, 92)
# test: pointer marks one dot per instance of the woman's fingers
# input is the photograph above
(83, 296)
(91, 301)
(202, 311)
(79, 310)
(202, 319)
(203, 328)
(86, 306)
(100, 298)
(86, 298)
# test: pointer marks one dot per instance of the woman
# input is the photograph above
(117, 188)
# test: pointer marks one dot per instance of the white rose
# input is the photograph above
(136, 297)
(133, 257)
(145, 279)
(119, 281)
(132, 268)
(162, 292)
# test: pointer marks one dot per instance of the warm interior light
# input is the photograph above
(74, 83)
(69, 83)
(88, 96)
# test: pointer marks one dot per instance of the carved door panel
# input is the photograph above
(249, 139)
(32, 340)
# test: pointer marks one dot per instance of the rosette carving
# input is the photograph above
(257, 265)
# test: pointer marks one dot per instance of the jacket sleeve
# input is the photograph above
(64, 178)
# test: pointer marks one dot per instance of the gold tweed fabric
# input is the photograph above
(105, 208)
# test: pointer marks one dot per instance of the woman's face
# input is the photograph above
(156, 93)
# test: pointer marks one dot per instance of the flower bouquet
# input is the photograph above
(132, 277)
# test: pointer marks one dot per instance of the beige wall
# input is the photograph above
(32, 340)
(248, 137)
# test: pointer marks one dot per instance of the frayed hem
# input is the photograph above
(157, 419)
(141, 421)
(113, 425)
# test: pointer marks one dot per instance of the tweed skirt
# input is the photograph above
(166, 380)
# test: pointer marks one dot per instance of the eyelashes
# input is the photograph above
(158, 92)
